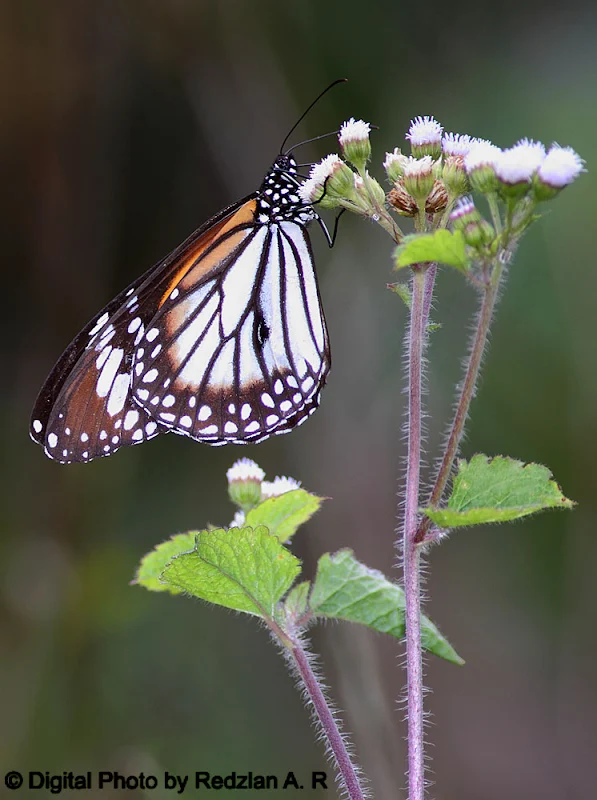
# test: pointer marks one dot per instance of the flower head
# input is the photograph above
(328, 180)
(561, 166)
(457, 144)
(518, 164)
(280, 485)
(239, 520)
(244, 483)
(394, 164)
(354, 141)
(464, 209)
(480, 165)
(425, 135)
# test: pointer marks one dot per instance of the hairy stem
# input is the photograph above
(467, 391)
(327, 721)
(411, 551)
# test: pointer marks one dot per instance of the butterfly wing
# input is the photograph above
(239, 348)
(85, 408)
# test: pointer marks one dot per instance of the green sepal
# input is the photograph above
(346, 589)
(499, 489)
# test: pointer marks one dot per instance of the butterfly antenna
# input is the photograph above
(308, 141)
(304, 114)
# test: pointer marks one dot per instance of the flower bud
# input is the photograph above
(561, 166)
(401, 201)
(329, 181)
(454, 176)
(425, 135)
(516, 166)
(354, 142)
(394, 165)
(418, 178)
(464, 213)
(245, 479)
(479, 163)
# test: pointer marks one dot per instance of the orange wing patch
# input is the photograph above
(195, 265)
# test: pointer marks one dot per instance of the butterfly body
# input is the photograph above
(223, 341)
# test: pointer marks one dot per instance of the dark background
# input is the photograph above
(124, 125)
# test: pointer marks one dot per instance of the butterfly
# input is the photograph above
(223, 341)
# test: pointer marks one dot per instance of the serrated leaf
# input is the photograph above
(446, 247)
(346, 589)
(244, 569)
(152, 565)
(284, 514)
(497, 490)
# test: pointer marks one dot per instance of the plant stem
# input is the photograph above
(410, 549)
(327, 721)
(467, 391)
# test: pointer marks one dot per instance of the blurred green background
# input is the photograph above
(124, 126)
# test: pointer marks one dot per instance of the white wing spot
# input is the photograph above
(118, 394)
(52, 440)
(137, 435)
(139, 336)
(103, 435)
(139, 367)
(186, 421)
(151, 334)
(132, 301)
(115, 439)
(169, 400)
(106, 448)
(204, 413)
(65, 453)
(272, 419)
(103, 319)
(156, 350)
(85, 454)
(230, 427)
(291, 381)
(151, 376)
(150, 427)
(278, 386)
(134, 324)
(174, 294)
(140, 352)
(37, 426)
(108, 373)
(167, 382)
(167, 417)
(252, 426)
(307, 384)
(285, 406)
(155, 400)
(266, 399)
(245, 411)
(231, 408)
(67, 431)
(192, 401)
(143, 394)
(101, 359)
(84, 437)
(130, 420)
(118, 424)
(209, 430)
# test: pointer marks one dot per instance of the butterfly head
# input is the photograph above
(278, 198)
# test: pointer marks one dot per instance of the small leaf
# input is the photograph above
(346, 589)
(242, 568)
(283, 515)
(444, 246)
(403, 292)
(297, 600)
(152, 565)
(497, 490)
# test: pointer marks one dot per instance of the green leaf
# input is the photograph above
(283, 515)
(242, 568)
(497, 490)
(152, 565)
(403, 292)
(346, 589)
(297, 600)
(444, 246)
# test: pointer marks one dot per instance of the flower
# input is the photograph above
(239, 520)
(244, 483)
(480, 165)
(518, 164)
(394, 164)
(245, 470)
(329, 180)
(354, 142)
(280, 485)
(457, 144)
(464, 208)
(425, 135)
(561, 166)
